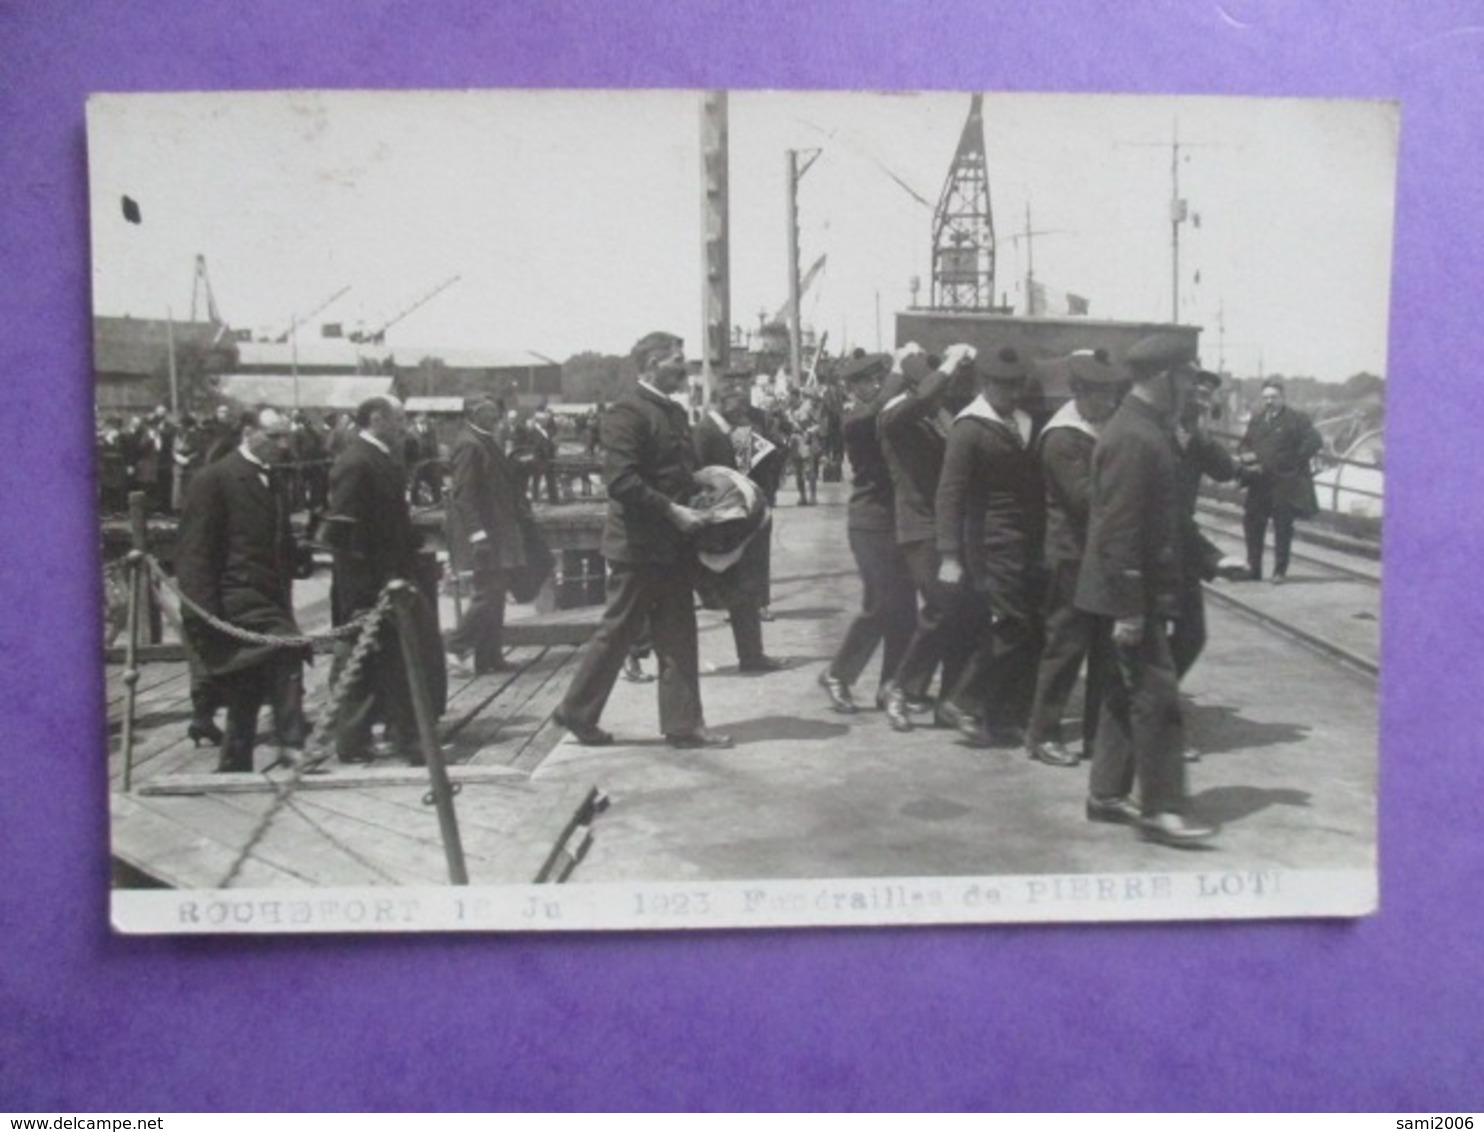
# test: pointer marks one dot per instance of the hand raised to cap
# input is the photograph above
(957, 356)
(900, 358)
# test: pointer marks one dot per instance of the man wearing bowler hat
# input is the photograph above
(1130, 580)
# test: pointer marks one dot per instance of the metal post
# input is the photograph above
(403, 597)
(716, 308)
(135, 568)
(139, 540)
(170, 353)
(795, 346)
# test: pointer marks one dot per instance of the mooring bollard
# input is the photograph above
(405, 612)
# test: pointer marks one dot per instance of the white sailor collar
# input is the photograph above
(980, 409)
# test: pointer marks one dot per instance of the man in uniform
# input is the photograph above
(988, 521)
(1130, 580)
(914, 436)
(888, 601)
(484, 535)
(369, 529)
(235, 559)
(1066, 445)
(742, 589)
(649, 458)
(1275, 452)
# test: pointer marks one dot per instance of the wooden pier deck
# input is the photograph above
(181, 825)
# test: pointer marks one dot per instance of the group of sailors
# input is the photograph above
(997, 558)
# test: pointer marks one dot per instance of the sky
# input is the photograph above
(573, 218)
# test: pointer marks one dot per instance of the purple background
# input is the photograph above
(1380, 1014)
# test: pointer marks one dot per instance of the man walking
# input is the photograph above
(235, 559)
(1275, 452)
(1130, 579)
(369, 529)
(649, 458)
(484, 535)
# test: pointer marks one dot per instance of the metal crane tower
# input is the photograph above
(963, 226)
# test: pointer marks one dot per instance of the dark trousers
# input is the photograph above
(1071, 638)
(380, 694)
(1259, 508)
(888, 608)
(1139, 734)
(999, 676)
(747, 632)
(657, 596)
(279, 682)
(1189, 637)
(481, 630)
(946, 626)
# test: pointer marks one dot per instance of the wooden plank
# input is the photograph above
(161, 847)
(332, 844)
(340, 776)
(509, 855)
(535, 700)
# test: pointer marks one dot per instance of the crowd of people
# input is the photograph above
(1000, 554)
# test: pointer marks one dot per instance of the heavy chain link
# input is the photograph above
(236, 632)
(369, 625)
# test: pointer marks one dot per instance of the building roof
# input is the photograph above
(410, 357)
(435, 404)
(320, 353)
(278, 390)
(141, 346)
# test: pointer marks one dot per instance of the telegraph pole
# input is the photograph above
(793, 174)
(716, 302)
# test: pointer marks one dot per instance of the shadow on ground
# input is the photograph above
(1216, 728)
(1227, 804)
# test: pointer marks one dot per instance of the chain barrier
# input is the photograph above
(236, 632)
(368, 625)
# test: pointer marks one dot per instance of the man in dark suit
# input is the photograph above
(235, 559)
(741, 590)
(1275, 452)
(369, 529)
(649, 458)
(1130, 580)
(485, 508)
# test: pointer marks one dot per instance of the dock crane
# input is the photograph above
(378, 337)
(300, 321)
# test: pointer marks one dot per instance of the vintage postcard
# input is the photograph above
(573, 510)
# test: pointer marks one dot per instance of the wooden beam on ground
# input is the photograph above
(339, 777)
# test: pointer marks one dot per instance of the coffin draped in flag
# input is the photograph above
(733, 549)
(738, 512)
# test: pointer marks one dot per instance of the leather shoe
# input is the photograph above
(633, 672)
(896, 711)
(762, 664)
(204, 731)
(1052, 754)
(593, 736)
(1175, 831)
(967, 725)
(1116, 811)
(702, 738)
(839, 693)
(354, 757)
(491, 667)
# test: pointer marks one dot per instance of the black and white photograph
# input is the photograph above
(581, 509)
